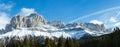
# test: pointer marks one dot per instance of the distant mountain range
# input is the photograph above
(37, 25)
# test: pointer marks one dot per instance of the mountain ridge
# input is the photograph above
(35, 22)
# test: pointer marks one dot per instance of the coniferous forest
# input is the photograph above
(108, 40)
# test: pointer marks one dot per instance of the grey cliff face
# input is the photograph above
(33, 20)
(17, 22)
(36, 17)
(58, 24)
(78, 26)
(90, 26)
(94, 27)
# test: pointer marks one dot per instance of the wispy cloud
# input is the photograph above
(6, 7)
(95, 13)
(109, 17)
(27, 11)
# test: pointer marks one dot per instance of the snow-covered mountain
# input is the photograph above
(37, 25)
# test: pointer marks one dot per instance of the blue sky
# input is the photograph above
(64, 10)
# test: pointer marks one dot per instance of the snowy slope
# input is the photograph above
(24, 32)
(51, 31)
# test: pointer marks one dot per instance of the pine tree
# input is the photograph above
(61, 42)
(47, 42)
(76, 43)
(26, 42)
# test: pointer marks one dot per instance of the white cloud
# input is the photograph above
(117, 24)
(6, 6)
(4, 19)
(96, 22)
(26, 11)
(113, 19)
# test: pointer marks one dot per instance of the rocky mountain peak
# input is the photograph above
(58, 24)
(94, 27)
(33, 20)
(37, 17)
(85, 26)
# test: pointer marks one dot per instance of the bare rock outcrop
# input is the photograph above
(33, 20)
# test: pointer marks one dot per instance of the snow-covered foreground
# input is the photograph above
(24, 32)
